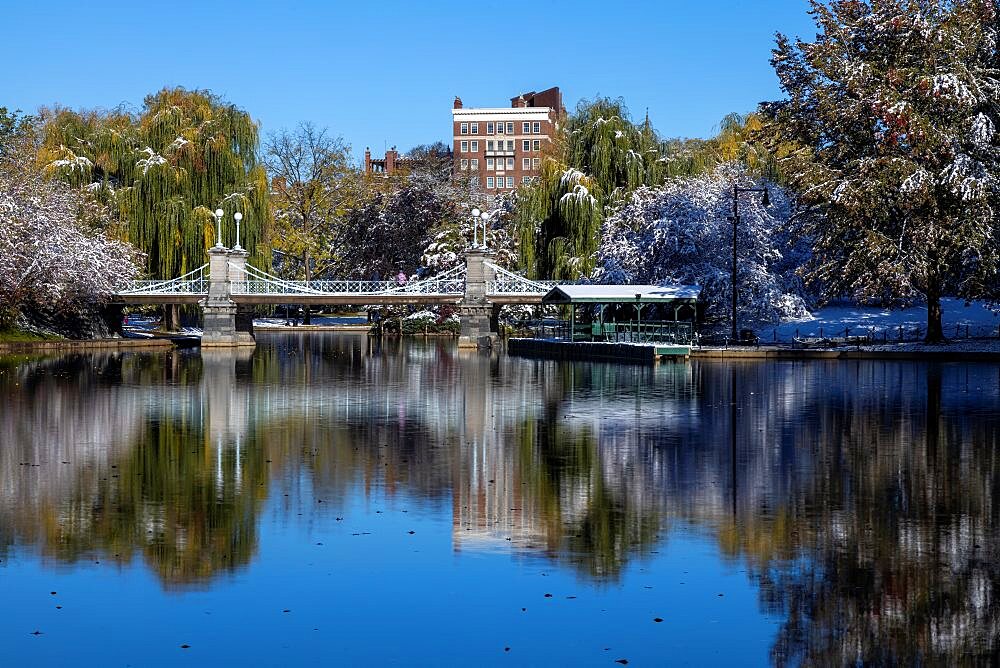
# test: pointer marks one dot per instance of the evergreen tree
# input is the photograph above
(164, 171)
(893, 110)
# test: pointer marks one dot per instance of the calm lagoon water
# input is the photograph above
(320, 501)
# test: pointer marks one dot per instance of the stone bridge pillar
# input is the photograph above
(479, 323)
(219, 322)
(237, 276)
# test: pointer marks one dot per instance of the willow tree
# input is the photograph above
(164, 171)
(599, 156)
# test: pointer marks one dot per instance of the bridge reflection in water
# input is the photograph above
(858, 496)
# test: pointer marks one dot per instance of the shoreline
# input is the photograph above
(17, 347)
(835, 355)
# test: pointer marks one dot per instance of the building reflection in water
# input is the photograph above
(859, 496)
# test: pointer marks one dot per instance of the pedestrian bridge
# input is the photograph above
(248, 285)
(227, 288)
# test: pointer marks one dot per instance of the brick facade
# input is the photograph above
(503, 147)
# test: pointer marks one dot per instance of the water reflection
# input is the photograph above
(858, 496)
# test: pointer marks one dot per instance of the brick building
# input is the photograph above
(502, 147)
(394, 162)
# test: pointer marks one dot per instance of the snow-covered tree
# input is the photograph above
(681, 232)
(894, 111)
(454, 237)
(49, 260)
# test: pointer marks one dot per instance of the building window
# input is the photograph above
(489, 145)
(475, 146)
(536, 128)
(510, 163)
(525, 164)
(510, 145)
(474, 181)
(510, 181)
(465, 164)
(535, 162)
(499, 128)
(474, 164)
(489, 164)
(525, 180)
(536, 145)
(525, 145)
(510, 128)
(489, 181)
(465, 147)
(475, 128)
(465, 128)
(489, 128)
(525, 127)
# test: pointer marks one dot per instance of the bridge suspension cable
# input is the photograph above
(193, 282)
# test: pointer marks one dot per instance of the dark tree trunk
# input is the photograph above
(935, 330)
(171, 318)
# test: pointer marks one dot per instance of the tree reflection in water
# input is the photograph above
(859, 494)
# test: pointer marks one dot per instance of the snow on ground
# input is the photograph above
(833, 321)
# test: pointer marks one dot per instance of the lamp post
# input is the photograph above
(737, 191)
(475, 227)
(486, 219)
(238, 217)
(218, 227)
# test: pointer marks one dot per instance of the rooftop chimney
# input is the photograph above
(458, 102)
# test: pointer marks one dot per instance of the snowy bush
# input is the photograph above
(49, 261)
(681, 232)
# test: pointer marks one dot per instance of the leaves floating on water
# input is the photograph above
(657, 619)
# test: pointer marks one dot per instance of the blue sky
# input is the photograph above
(385, 73)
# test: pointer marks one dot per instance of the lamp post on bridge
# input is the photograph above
(735, 218)
(238, 217)
(219, 213)
(475, 227)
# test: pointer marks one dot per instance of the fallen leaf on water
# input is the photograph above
(36, 632)
(657, 619)
(624, 662)
(548, 596)
(185, 646)
(411, 532)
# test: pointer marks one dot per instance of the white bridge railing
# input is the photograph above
(509, 283)
(257, 282)
(451, 283)
(195, 282)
